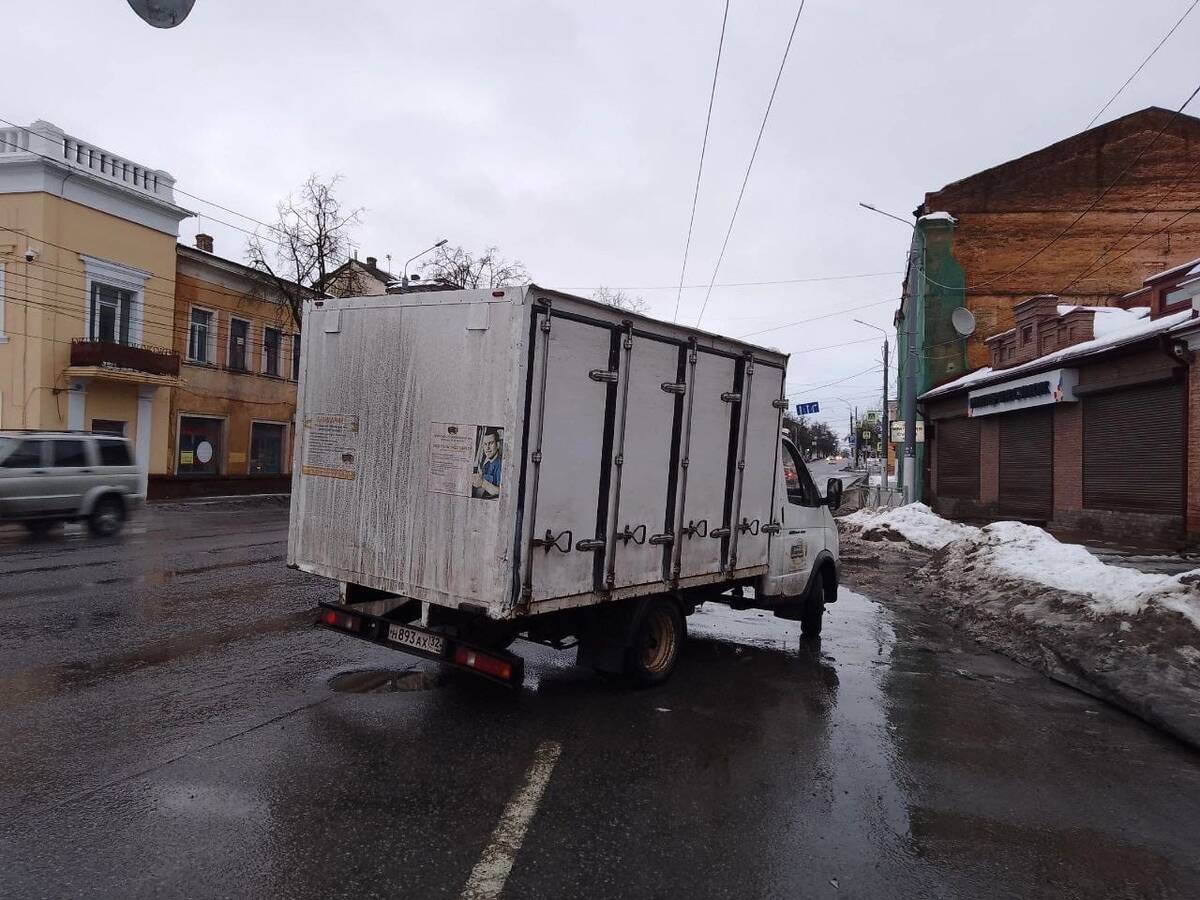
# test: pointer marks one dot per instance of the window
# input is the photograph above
(272, 340)
(1027, 335)
(199, 446)
(201, 336)
(113, 293)
(800, 488)
(115, 453)
(26, 455)
(110, 426)
(239, 336)
(266, 448)
(110, 314)
(295, 356)
(70, 454)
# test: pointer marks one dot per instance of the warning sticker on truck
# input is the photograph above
(465, 460)
(331, 446)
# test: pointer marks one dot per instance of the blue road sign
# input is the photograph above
(807, 409)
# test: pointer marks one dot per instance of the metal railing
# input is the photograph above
(135, 357)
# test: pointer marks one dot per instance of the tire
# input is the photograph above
(659, 637)
(108, 515)
(812, 618)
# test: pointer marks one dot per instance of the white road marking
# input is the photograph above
(488, 877)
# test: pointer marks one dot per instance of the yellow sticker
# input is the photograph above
(186, 457)
(237, 457)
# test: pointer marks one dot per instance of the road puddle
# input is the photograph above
(385, 681)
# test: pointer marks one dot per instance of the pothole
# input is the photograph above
(384, 681)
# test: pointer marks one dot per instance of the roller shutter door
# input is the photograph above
(957, 458)
(1027, 463)
(1133, 450)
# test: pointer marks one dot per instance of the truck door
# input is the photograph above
(802, 535)
(762, 386)
(572, 441)
(707, 471)
(641, 464)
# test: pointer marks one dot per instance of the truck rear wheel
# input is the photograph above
(656, 644)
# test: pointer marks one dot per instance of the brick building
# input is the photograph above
(1084, 218)
(1086, 420)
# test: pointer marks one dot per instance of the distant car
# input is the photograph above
(48, 477)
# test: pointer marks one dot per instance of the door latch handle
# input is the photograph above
(748, 526)
(696, 528)
(590, 544)
(551, 541)
(637, 535)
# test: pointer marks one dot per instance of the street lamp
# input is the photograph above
(909, 413)
(404, 280)
(887, 435)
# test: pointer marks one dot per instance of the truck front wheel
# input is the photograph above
(814, 605)
(656, 644)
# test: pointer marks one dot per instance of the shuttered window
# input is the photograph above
(1027, 463)
(957, 458)
(1133, 450)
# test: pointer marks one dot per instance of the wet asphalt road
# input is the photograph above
(169, 730)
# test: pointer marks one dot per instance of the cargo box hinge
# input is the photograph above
(732, 397)
(603, 375)
(590, 545)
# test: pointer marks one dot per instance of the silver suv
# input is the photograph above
(47, 477)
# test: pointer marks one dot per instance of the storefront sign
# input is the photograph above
(897, 428)
(1057, 386)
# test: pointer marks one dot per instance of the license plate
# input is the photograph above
(418, 640)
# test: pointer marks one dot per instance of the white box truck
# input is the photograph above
(477, 466)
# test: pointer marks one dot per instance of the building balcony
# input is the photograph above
(123, 362)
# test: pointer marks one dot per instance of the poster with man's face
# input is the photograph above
(489, 460)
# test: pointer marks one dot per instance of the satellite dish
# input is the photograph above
(963, 321)
(163, 13)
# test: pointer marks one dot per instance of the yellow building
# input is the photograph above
(233, 411)
(87, 290)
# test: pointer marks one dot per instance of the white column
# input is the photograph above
(77, 405)
(145, 429)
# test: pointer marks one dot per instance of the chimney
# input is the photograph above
(204, 242)
(371, 261)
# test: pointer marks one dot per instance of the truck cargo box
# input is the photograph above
(520, 450)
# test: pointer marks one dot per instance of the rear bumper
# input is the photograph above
(495, 665)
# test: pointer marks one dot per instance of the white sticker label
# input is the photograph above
(331, 446)
(451, 448)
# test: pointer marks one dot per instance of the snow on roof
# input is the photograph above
(1110, 319)
(937, 217)
(1142, 328)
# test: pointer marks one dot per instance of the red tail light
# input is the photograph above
(481, 662)
(335, 619)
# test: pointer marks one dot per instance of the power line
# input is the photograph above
(840, 312)
(700, 170)
(1157, 47)
(876, 367)
(750, 165)
(730, 284)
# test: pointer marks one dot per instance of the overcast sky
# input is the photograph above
(568, 133)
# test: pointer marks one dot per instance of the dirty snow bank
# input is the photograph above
(1013, 550)
(916, 523)
(1127, 637)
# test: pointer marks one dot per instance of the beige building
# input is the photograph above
(87, 290)
(233, 411)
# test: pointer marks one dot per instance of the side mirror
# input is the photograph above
(833, 493)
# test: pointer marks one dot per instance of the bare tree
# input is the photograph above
(463, 268)
(621, 300)
(309, 241)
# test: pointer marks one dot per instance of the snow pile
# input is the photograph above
(916, 523)
(1013, 550)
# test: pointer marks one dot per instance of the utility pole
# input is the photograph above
(885, 425)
